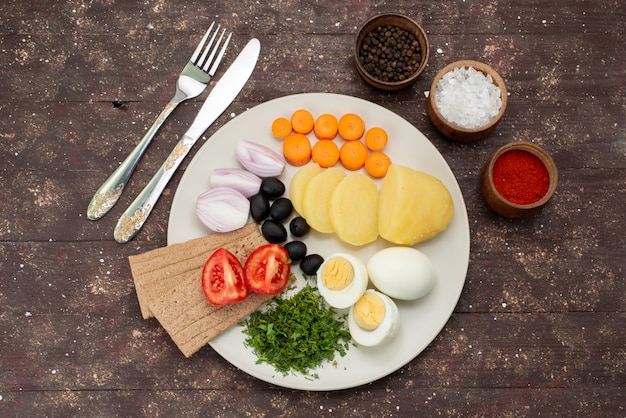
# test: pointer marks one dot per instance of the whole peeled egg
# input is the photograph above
(341, 280)
(373, 319)
(402, 272)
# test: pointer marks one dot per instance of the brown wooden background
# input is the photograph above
(540, 326)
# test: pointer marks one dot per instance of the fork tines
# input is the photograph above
(201, 61)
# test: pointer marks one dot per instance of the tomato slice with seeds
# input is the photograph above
(223, 278)
(267, 269)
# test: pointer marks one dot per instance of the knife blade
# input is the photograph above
(220, 97)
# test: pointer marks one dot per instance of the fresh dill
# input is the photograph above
(296, 334)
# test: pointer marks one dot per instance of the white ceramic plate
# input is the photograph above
(421, 320)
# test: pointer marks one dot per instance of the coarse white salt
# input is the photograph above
(467, 97)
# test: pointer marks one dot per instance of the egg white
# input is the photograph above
(403, 273)
(387, 329)
(347, 296)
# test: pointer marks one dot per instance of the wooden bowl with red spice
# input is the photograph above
(518, 179)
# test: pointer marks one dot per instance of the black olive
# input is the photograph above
(259, 207)
(296, 250)
(272, 188)
(311, 263)
(274, 231)
(299, 227)
(281, 209)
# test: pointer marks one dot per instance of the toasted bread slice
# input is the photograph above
(168, 283)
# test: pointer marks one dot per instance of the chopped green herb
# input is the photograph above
(296, 334)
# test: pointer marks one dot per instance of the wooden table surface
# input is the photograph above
(540, 327)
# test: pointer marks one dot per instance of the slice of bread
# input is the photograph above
(168, 283)
(191, 321)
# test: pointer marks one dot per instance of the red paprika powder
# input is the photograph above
(520, 177)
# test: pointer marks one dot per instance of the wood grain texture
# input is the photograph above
(539, 329)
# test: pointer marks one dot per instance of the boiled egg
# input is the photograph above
(402, 272)
(373, 319)
(341, 280)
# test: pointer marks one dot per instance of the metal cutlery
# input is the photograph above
(191, 82)
(221, 96)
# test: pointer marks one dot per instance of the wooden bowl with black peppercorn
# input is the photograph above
(391, 51)
(518, 179)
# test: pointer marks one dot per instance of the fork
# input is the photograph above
(191, 82)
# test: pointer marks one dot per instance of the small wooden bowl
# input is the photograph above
(452, 130)
(402, 22)
(497, 202)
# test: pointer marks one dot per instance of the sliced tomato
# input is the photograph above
(223, 278)
(267, 269)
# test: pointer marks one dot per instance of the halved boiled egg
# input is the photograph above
(342, 280)
(373, 319)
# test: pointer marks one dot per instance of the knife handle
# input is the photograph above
(137, 213)
(110, 191)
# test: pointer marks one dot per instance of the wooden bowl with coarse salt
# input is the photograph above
(466, 100)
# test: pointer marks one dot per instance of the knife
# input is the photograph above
(221, 96)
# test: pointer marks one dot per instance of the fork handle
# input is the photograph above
(110, 191)
(137, 213)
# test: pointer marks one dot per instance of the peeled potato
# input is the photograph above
(298, 184)
(414, 206)
(316, 197)
(353, 209)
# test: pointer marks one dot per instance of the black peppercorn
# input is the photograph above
(390, 53)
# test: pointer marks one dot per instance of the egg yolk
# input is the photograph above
(369, 311)
(337, 273)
